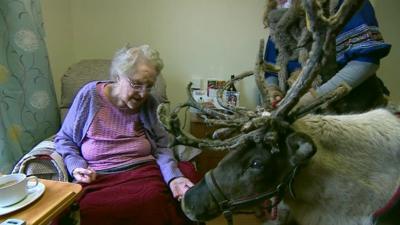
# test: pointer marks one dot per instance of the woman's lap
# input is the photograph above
(139, 196)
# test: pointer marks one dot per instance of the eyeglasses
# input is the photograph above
(139, 87)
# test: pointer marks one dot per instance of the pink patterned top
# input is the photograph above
(115, 138)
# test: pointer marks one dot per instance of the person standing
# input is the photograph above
(359, 49)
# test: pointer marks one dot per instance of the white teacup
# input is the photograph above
(15, 187)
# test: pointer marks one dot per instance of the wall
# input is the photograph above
(207, 39)
(58, 27)
(387, 13)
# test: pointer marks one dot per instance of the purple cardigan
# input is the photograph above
(80, 115)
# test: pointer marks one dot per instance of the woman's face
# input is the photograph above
(134, 89)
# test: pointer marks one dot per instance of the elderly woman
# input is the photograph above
(113, 144)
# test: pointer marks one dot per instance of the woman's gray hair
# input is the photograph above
(126, 59)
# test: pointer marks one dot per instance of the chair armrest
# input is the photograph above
(43, 162)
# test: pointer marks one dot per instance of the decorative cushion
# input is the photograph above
(43, 162)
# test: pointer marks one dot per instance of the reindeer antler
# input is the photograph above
(259, 77)
(172, 124)
(254, 125)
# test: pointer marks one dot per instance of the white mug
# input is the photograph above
(15, 187)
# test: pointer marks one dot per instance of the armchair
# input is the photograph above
(43, 161)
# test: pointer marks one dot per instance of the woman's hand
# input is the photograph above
(83, 175)
(179, 186)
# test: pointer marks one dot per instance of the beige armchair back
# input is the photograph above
(79, 74)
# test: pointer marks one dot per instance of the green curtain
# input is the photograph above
(28, 106)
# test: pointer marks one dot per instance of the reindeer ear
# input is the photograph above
(300, 148)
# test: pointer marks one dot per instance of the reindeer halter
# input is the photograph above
(228, 206)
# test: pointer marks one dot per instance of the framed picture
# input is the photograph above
(213, 85)
(231, 98)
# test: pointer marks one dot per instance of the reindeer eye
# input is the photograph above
(256, 164)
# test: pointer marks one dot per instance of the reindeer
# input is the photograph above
(329, 169)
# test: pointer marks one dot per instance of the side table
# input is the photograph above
(56, 198)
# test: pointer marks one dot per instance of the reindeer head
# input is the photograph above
(245, 174)
(265, 151)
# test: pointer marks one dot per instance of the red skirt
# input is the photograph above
(135, 197)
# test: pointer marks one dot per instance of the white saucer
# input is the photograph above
(34, 194)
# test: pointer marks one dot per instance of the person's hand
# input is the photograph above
(275, 101)
(304, 100)
(83, 175)
(275, 95)
(293, 77)
(179, 186)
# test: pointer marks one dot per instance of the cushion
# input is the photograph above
(43, 162)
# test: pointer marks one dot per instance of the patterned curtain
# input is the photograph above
(28, 106)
